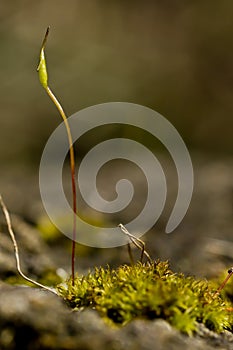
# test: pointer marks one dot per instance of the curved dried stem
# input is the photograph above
(137, 242)
(16, 249)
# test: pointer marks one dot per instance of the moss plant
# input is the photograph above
(149, 291)
(43, 76)
(143, 290)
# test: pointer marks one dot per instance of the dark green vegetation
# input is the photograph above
(150, 291)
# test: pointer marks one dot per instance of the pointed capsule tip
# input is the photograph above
(47, 31)
(45, 37)
(41, 69)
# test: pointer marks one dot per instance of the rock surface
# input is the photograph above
(35, 319)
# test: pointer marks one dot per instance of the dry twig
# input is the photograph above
(16, 249)
(137, 242)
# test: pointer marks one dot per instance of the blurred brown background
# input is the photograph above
(173, 56)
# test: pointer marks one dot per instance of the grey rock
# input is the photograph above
(34, 319)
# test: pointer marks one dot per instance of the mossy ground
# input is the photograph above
(150, 291)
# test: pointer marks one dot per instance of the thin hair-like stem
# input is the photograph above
(130, 254)
(230, 273)
(16, 249)
(137, 242)
(72, 169)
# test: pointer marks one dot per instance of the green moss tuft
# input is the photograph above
(149, 291)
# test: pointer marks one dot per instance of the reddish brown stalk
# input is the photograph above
(43, 76)
(230, 273)
(73, 180)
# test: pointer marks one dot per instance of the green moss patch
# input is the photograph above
(149, 291)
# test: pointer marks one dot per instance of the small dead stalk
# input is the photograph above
(137, 242)
(16, 249)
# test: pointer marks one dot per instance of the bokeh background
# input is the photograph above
(175, 57)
